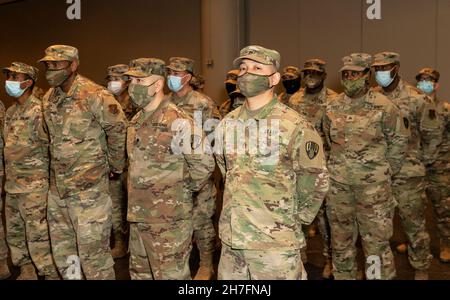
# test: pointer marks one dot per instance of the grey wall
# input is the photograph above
(115, 31)
(109, 32)
(331, 29)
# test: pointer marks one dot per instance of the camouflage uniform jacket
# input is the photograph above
(424, 123)
(312, 107)
(194, 102)
(367, 139)
(268, 197)
(2, 143)
(127, 107)
(87, 130)
(26, 148)
(442, 164)
(160, 182)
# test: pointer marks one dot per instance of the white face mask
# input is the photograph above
(115, 87)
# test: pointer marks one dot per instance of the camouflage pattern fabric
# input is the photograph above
(409, 193)
(26, 148)
(313, 107)
(366, 209)
(358, 132)
(160, 191)
(27, 231)
(424, 124)
(205, 200)
(27, 180)
(438, 190)
(127, 106)
(260, 265)
(160, 251)
(367, 138)
(118, 191)
(3, 247)
(18, 67)
(266, 201)
(421, 117)
(87, 141)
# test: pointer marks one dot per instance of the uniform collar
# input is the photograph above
(264, 112)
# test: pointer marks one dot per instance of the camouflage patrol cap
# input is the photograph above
(232, 76)
(315, 64)
(146, 67)
(60, 53)
(357, 62)
(259, 54)
(181, 64)
(117, 71)
(386, 58)
(430, 72)
(290, 72)
(22, 68)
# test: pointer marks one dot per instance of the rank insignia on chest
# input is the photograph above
(312, 149)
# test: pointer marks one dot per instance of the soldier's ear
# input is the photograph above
(436, 86)
(275, 79)
(74, 66)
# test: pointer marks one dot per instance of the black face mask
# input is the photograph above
(230, 88)
(292, 86)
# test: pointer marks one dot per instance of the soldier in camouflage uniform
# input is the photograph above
(118, 84)
(311, 103)
(87, 130)
(161, 179)
(409, 184)
(438, 174)
(4, 270)
(270, 192)
(292, 82)
(27, 176)
(367, 137)
(235, 98)
(180, 72)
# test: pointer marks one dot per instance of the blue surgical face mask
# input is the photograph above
(174, 83)
(384, 78)
(426, 86)
(13, 88)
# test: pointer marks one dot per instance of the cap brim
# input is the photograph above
(313, 69)
(237, 62)
(8, 69)
(136, 73)
(52, 58)
(352, 68)
(290, 75)
(116, 75)
(377, 64)
(13, 69)
(176, 69)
